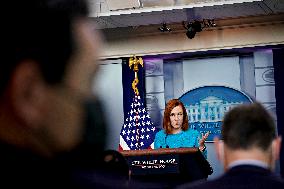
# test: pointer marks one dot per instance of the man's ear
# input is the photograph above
(219, 148)
(27, 91)
(276, 146)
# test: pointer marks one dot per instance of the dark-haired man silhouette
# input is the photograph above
(248, 151)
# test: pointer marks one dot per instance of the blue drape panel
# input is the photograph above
(278, 62)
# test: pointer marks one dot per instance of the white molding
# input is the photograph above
(194, 4)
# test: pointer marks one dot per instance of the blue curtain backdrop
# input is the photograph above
(278, 62)
(127, 78)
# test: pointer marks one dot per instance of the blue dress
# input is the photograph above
(189, 138)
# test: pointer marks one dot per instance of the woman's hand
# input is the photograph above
(202, 141)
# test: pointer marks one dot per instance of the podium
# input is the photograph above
(168, 165)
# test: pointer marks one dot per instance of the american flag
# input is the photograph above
(138, 131)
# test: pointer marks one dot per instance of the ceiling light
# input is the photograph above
(164, 28)
(197, 26)
(190, 31)
(192, 28)
(209, 23)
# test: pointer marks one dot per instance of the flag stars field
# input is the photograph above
(138, 127)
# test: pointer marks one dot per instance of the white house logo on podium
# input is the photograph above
(206, 107)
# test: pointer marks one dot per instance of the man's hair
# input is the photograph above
(247, 126)
(167, 122)
(114, 163)
(40, 31)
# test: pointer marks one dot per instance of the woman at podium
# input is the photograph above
(176, 132)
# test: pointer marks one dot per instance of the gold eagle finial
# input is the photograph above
(135, 62)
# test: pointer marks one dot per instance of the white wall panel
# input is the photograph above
(108, 87)
(211, 71)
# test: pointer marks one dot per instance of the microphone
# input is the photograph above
(167, 146)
